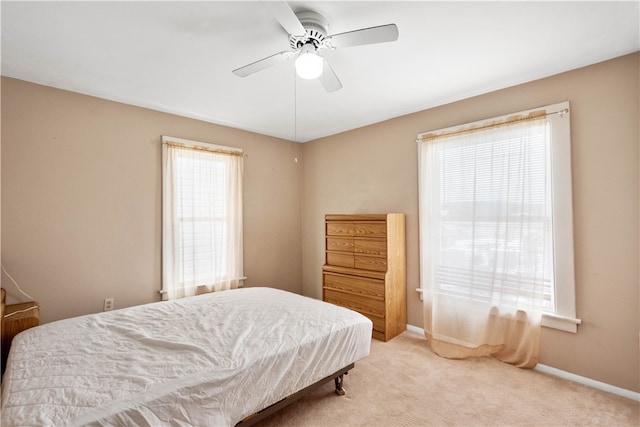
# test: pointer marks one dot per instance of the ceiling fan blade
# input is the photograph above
(285, 16)
(263, 63)
(329, 79)
(380, 34)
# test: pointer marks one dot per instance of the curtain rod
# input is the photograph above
(202, 148)
(534, 115)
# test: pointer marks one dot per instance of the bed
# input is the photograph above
(211, 360)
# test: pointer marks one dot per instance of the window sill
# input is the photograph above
(549, 320)
(562, 323)
(164, 295)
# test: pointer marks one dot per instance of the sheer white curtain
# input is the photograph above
(202, 219)
(486, 240)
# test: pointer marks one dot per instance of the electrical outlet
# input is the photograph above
(108, 304)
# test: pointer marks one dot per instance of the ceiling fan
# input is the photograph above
(307, 37)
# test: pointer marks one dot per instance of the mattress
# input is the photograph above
(207, 360)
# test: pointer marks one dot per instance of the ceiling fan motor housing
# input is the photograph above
(316, 27)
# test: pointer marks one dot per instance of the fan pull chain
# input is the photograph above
(295, 106)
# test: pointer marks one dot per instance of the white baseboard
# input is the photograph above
(567, 375)
(588, 381)
(415, 330)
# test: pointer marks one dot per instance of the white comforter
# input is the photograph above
(209, 360)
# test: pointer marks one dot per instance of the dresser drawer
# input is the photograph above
(340, 229)
(378, 331)
(378, 335)
(340, 259)
(340, 244)
(367, 306)
(370, 246)
(357, 285)
(370, 263)
(378, 323)
(367, 228)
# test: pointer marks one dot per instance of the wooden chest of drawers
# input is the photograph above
(365, 269)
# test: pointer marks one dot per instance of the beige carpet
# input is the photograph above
(402, 383)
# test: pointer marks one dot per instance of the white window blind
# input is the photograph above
(202, 217)
(495, 222)
(496, 216)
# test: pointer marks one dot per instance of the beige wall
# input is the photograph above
(81, 201)
(81, 194)
(374, 169)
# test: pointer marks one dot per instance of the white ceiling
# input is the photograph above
(177, 57)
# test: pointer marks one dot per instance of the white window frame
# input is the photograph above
(564, 318)
(188, 143)
(562, 194)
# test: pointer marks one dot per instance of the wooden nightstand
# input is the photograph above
(15, 319)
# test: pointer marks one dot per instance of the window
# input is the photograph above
(202, 217)
(496, 213)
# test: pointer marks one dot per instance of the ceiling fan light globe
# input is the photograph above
(309, 65)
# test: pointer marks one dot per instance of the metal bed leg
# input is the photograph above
(338, 380)
(260, 415)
